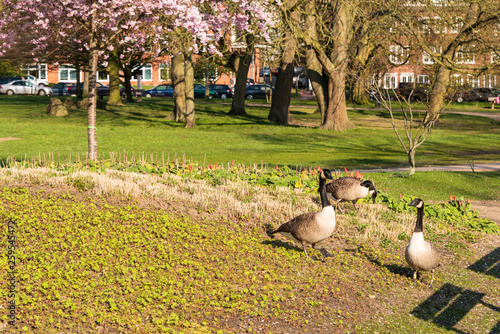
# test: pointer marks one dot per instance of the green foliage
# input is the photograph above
(456, 212)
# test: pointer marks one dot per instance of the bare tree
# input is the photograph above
(412, 130)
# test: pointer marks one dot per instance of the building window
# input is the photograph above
(422, 78)
(466, 55)
(390, 81)
(473, 81)
(67, 73)
(494, 58)
(457, 80)
(39, 71)
(165, 72)
(146, 72)
(407, 77)
(398, 54)
(102, 75)
(490, 81)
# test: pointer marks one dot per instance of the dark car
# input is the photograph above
(72, 87)
(61, 89)
(199, 91)
(223, 91)
(4, 80)
(258, 91)
(103, 90)
(477, 94)
(414, 91)
(160, 90)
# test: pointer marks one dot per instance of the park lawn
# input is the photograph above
(142, 253)
(244, 139)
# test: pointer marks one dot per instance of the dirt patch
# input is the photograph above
(8, 138)
(488, 209)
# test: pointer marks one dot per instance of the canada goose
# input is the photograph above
(351, 189)
(312, 227)
(421, 255)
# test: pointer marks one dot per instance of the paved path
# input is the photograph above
(486, 167)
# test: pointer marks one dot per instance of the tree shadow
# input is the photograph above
(393, 268)
(488, 264)
(447, 306)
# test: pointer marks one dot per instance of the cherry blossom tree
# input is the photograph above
(97, 26)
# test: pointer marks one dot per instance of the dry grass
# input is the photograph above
(257, 205)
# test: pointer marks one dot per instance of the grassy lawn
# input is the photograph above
(143, 253)
(157, 248)
(457, 139)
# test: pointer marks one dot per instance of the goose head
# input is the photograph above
(371, 189)
(326, 174)
(417, 202)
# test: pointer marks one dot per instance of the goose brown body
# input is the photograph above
(350, 189)
(312, 227)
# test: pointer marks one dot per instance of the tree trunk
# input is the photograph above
(314, 67)
(242, 65)
(127, 77)
(114, 79)
(436, 99)
(179, 89)
(336, 113)
(189, 79)
(335, 117)
(85, 83)
(280, 105)
(78, 81)
(360, 93)
(411, 161)
(91, 110)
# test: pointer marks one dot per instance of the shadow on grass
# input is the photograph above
(488, 264)
(281, 244)
(450, 304)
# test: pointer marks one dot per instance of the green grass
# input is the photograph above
(244, 139)
(437, 186)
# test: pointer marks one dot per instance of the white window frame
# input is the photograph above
(398, 53)
(466, 55)
(407, 77)
(145, 69)
(457, 80)
(423, 78)
(473, 81)
(166, 67)
(99, 72)
(71, 72)
(390, 80)
(490, 81)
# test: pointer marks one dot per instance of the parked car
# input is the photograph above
(223, 91)
(160, 90)
(61, 89)
(72, 87)
(265, 71)
(250, 81)
(418, 91)
(477, 94)
(4, 80)
(258, 91)
(199, 91)
(37, 81)
(24, 87)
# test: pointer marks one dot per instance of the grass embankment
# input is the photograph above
(143, 253)
(141, 127)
